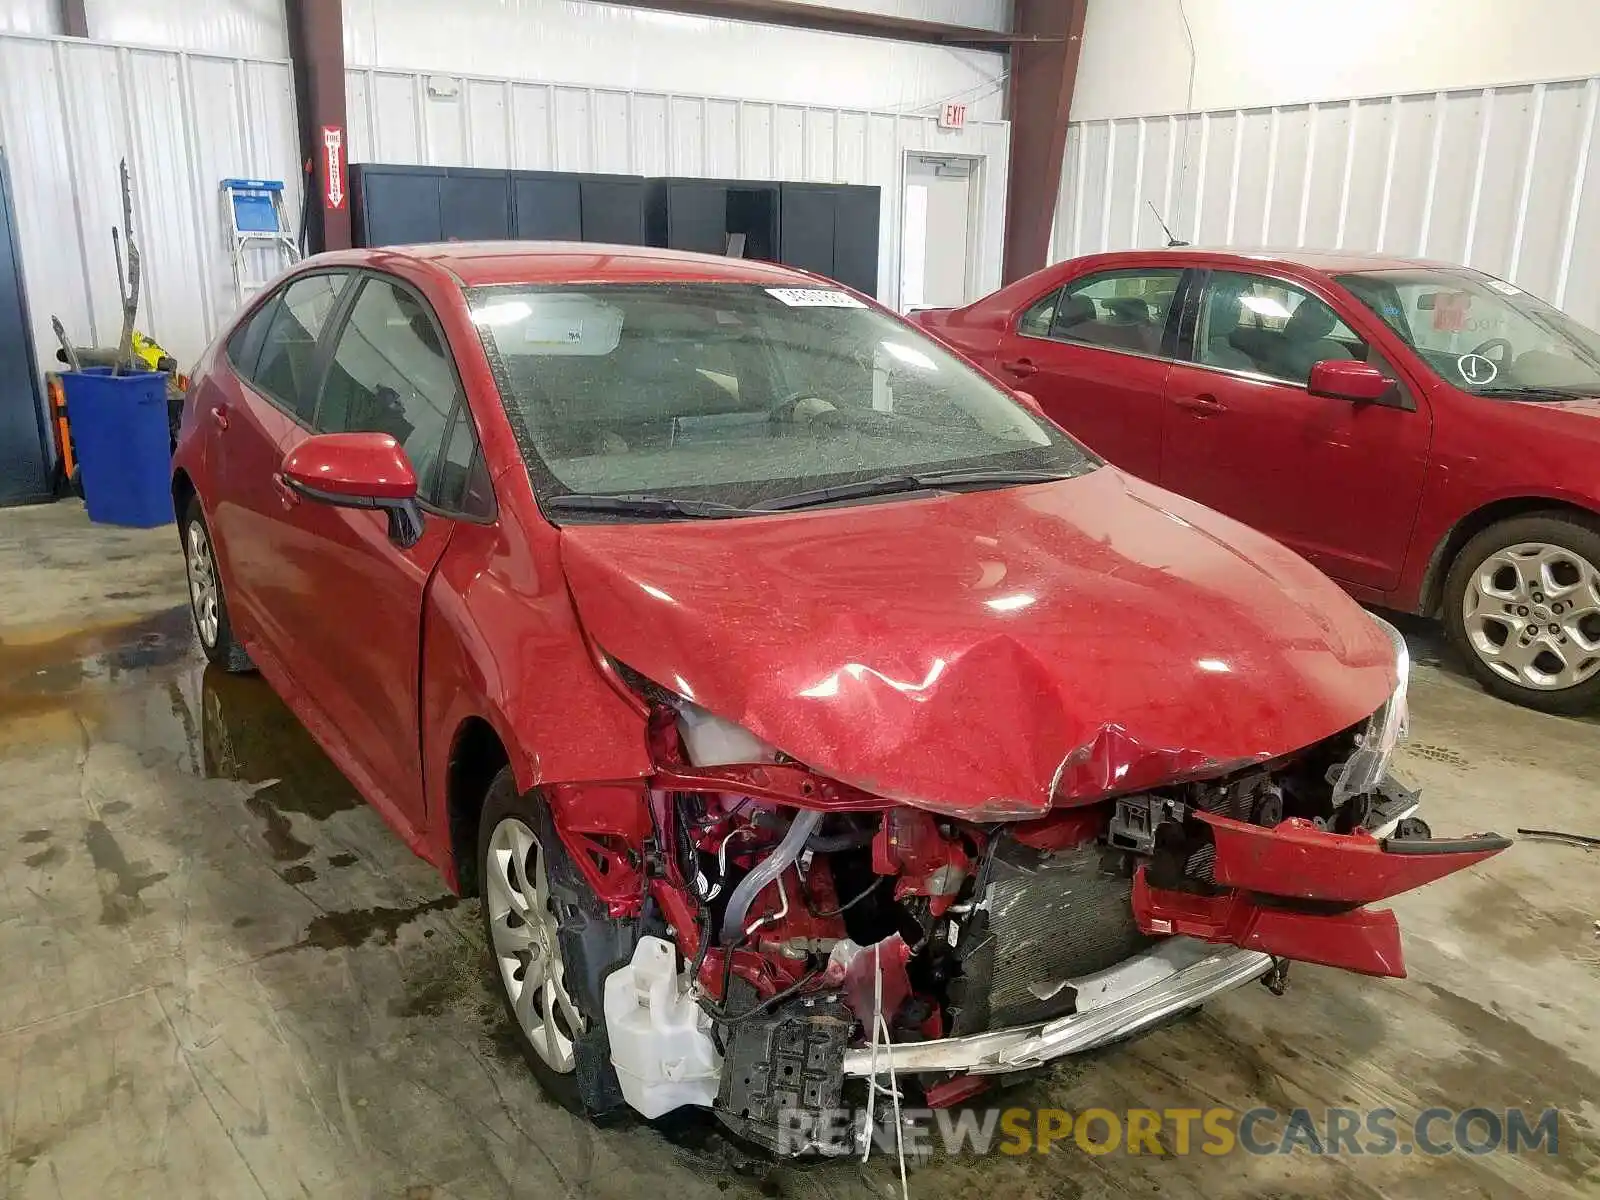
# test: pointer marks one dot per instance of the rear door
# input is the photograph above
(1095, 353)
(1336, 480)
(356, 608)
(254, 410)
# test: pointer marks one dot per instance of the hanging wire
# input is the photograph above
(880, 1037)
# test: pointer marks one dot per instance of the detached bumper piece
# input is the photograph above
(1296, 859)
(1175, 975)
(1297, 891)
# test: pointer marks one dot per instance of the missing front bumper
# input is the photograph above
(1173, 976)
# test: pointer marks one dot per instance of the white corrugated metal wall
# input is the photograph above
(69, 111)
(1504, 179)
(592, 44)
(395, 118)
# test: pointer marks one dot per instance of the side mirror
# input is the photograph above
(1028, 401)
(1349, 379)
(358, 470)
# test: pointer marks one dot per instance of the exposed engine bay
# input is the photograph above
(797, 928)
(799, 933)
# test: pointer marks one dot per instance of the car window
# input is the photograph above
(244, 343)
(288, 360)
(1480, 333)
(738, 393)
(463, 474)
(391, 374)
(1036, 321)
(1117, 310)
(1268, 327)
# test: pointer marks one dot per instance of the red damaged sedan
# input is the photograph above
(795, 696)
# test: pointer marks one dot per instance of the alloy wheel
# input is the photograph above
(527, 945)
(1532, 615)
(203, 592)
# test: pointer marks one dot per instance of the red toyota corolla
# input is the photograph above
(1424, 433)
(796, 697)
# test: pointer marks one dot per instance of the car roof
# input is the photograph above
(1328, 262)
(482, 264)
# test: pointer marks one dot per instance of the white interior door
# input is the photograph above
(936, 232)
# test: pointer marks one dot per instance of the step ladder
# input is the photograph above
(254, 217)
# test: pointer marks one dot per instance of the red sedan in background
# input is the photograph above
(1424, 433)
(795, 697)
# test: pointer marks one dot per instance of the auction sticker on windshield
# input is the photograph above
(815, 298)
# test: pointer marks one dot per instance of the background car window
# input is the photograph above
(1119, 310)
(289, 350)
(1268, 327)
(463, 475)
(1481, 333)
(1036, 321)
(390, 374)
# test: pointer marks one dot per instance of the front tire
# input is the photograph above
(1522, 605)
(551, 944)
(207, 604)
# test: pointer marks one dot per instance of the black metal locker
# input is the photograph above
(546, 207)
(613, 208)
(24, 444)
(805, 228)
(855, 238)
(475, 205)
(688, 214)
(396, 206)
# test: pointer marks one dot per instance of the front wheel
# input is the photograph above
(1522, 604)
(552, 944)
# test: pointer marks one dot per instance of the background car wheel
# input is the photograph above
(206, 601)
(551, 945)
(1522, 604)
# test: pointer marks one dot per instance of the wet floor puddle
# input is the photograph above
(146, 685)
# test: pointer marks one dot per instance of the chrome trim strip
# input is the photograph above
(1175, 975)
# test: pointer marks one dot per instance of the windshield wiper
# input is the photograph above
(641, 505)
(1549, 393)
(888, 485)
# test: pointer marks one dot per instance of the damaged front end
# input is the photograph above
(817, 934)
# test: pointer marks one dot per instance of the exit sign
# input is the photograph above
(953, 116)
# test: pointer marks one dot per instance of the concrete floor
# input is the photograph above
(221, 975)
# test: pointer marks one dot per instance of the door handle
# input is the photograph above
(220, 416)
(287, 496)
(1203, 405)
(1022, 368)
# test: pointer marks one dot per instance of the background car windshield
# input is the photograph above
(740, 394)
(1482, 334)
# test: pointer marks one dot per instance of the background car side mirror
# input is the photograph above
(1350, 379)
(358, 470)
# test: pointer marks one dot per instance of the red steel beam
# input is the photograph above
(835, 20)
(1044, 71)
(316, 48)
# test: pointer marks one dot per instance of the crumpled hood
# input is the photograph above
(978, 653)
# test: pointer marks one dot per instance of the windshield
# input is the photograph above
(739, 395)
(1482, 334)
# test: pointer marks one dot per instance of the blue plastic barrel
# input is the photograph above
(123, 443)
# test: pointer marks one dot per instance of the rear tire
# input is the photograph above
(1522, 606)
(543, 923)
(207, 604)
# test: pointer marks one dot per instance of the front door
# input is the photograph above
(1335, 480)
(253, 411)
(356, 612)
(1095, 354)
